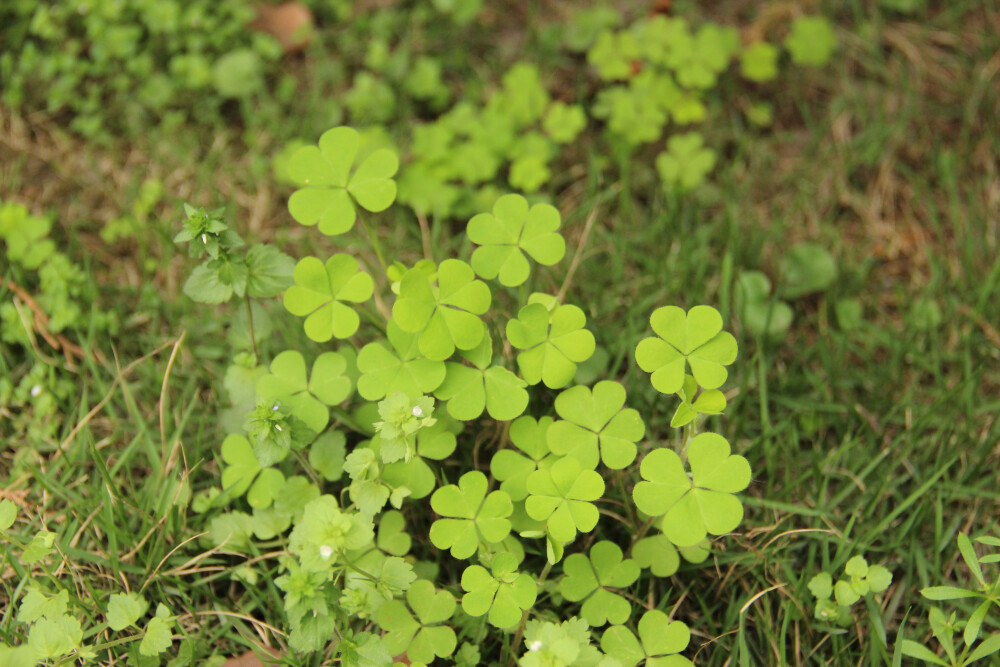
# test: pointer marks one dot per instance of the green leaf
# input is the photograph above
(307, 398)
(589, 580)
(509, 233)
(125, 609)
(989, 646)
(35, 604)
(503, 592)
(206, 284)
(269, 271)
(948, 593)
(661, 642)
(470, 390)
(551, 343)
(38, 548)
(319, 294)
(511, 467)
(596, 423)
(694, 339)
(971, 560)
(392, 536)
(326, 455)
(324, 531)
(878, 578)
(421, 638)
(657, 554)
(8, 512)
(759, 62)
(686, 163)
(914, 650)
(241, 464)
(158, 637)
(473, 517)
(563, 496)
(693, 403)
(51, 638)
(807, 268)
(699, 505)
(821, 586)
(763, 316)
(564, 122)
(811, 41)
(397, 367)
(330, 191)
(446, 315)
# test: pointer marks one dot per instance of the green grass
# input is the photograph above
(879, 441)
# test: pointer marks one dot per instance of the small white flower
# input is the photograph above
(36, 390)
(417, 412)
(204, 239)
(277, 427)
(535, 645)
(325, 551)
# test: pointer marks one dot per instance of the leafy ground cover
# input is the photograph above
(841, 214)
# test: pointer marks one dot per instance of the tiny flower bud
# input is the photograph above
(326, 551)
(417, 412)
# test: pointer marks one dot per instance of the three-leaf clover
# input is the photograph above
(693, 403)
(759, 62)
(331, 190)
(471, 389)
(309, 397)
(686, 162)
(694, 339)
(244, 474)
(811, 41)
(588, 579)
(596, 423)
(563, 122)
(397, 367)
(445, 315)
(319, 291)
(763, 316)
(552, 343)
(513, 467)
(472, 516)
(511, 231)
(502, 591)
(562, 496)
(659, 643)
(698, 505)
(420, 634)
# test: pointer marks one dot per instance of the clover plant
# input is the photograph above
(834, 600)
(472, 411)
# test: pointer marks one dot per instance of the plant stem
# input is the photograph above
(253, 337)
(375, 244)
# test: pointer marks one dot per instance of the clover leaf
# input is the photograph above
(552, 343)
(686, 162)
(8, 513)
(331, 190)
(695, 339)
(421, 637)
(511, 467)
(613, 53)
(703, 503)
(392, 536)
(472, 516)
(326, 455)
(811, 41)
(470, 390)
(562, 496)
(657, 554)
(807, 268)
(503, 591)
(397, 367)
(324, 531)
(693, 403)
(759, 62)
(596, 423)
(588, 580)
(659, 643)
(511, 231)
(309, 397)
(446, 315)
(763, 316)
(564, 122)
(435, 443)
(319, 291)
(244, 474)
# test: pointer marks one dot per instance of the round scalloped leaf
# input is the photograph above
(595, 424)
(551, 343)
(511, 231)
(396, 366)
(319, 291)
(694, 339)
